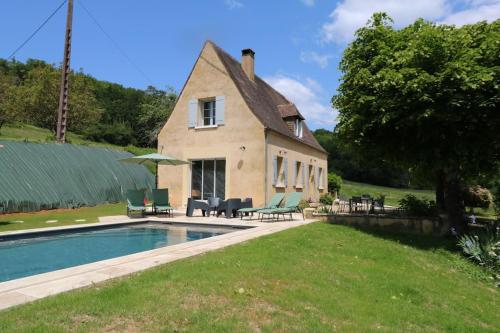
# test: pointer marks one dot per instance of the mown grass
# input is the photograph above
(9, 222)
(316, 278)
(392, 195)
(29, 133)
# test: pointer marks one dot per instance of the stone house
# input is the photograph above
(242, 138)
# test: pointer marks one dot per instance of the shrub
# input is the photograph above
(118, 133)
(334, 182)
(414, 206)
(477, 196)
(303, 204)
(483, 246)
(326, 199)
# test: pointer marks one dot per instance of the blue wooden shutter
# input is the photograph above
(285, 171)
(316, 182)
(275, 169)
(303, 165)
(193, 112)
(220, 105)
(295, 174)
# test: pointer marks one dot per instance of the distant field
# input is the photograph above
(41, 135)
(392, 195)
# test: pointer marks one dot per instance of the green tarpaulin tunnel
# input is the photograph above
(46, 176)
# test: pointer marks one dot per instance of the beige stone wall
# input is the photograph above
(279, 145)
(244, 168)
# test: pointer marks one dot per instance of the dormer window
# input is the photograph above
(298, 128)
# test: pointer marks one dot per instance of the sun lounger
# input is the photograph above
(292, 201)
(161, 201)
(274, 203)
(135, 201)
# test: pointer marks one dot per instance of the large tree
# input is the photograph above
(36, 99)
(425, 97)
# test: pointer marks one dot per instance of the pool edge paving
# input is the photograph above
(31, 288)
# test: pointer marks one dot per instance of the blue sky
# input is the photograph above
(298, 43)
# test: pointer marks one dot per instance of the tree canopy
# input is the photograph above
(424, 97)
(100, 110)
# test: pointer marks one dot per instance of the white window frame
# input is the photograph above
(280, 181)
(200, 123)
(298, 175)
(299, 128)
(321, 178)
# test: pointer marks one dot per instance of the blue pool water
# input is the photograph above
(42, 253)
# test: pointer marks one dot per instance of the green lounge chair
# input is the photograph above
(161, 202)
(135, 201)
(274, 203)
(292, 201)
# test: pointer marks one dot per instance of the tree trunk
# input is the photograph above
(440, 188)
(455, 208)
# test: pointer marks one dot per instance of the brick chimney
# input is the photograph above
(248, 63)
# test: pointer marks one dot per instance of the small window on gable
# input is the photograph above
(207, 116)
(298, 128)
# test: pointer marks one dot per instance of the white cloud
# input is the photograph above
(480, 10)
(308, 3)
(306, 96)
(233, 4)
(320, 59)
(349, 15)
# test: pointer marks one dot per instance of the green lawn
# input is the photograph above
(10, 222)
(392, 195)
(22, 132)
(316, 278)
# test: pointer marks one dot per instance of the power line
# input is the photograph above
(37, 30)
(115, 44)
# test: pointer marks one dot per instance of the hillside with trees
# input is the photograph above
(99, 111)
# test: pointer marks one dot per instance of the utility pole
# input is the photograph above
(62, 114)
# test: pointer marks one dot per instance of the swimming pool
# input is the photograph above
(41, 252)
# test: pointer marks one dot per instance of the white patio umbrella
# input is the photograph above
(155, 158)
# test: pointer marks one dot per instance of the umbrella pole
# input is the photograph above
(156, 180)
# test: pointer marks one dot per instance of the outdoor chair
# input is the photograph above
(135, 201)
(213, 203)
(196, 204)
(380, 203)
(355, 203)
(273, 203)
(229, 207)
(291, 205)
(161, 201)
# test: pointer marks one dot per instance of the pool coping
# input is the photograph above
(31, 288)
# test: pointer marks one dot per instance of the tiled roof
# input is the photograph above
(266, 103)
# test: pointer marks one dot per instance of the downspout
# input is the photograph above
(265, 167)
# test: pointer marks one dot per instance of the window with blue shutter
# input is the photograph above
(275, 169)
(220, 105)
(303, 174)
(285, 171)
(295, 173)
(192, 112)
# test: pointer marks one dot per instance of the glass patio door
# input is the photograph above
(208, 179)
